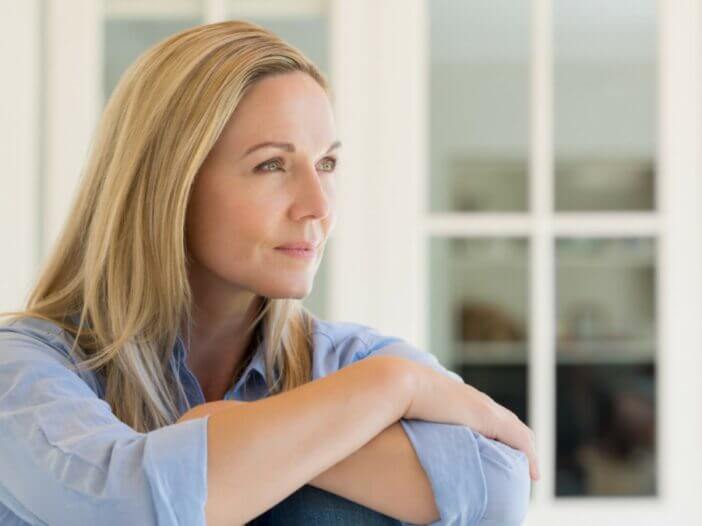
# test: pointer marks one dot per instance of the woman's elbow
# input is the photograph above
(508, 484)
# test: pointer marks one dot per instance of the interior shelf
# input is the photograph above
(605, 261)
(581, 352)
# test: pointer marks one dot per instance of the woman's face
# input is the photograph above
(249, 199)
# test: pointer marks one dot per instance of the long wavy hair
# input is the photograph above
(119, 265)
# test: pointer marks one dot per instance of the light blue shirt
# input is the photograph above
(65, 458)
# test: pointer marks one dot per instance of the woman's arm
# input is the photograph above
(474, 479)
(65, 456)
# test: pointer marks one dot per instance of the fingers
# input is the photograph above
(534, 471)
(528, 443)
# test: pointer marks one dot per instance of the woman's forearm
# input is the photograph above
(384, 475)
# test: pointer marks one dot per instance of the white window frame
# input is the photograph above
(384, 110)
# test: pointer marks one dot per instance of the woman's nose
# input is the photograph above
(311, 197)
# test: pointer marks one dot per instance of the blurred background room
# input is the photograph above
(520, 195)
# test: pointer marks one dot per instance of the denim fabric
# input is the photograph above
(311, 506)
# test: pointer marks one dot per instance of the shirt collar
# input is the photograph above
(257, 363)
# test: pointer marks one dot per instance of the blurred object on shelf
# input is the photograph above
(621, 459)
(610, 475)
(481, 183)
(485, 322)
(604, 184)
(606, 429)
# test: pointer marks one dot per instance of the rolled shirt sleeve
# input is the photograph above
(476, 481)
(65, 458)
(507, 481)
(450, 456)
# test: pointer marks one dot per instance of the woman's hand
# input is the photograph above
(208, 408)
(439, 398)
(505, 426)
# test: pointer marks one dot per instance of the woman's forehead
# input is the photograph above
(283, 108)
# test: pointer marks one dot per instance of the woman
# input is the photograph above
(162, 371)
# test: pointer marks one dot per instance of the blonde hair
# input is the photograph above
(120, 259)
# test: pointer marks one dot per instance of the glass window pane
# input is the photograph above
(479, 319)
(479, 94)
(305, 26)
(605, 388)
(605, 70)
(128, 34)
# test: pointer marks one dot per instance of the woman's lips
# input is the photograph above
(298, 253)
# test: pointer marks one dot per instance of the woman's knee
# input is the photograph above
(311, 506)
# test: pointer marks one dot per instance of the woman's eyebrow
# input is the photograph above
(285, 146)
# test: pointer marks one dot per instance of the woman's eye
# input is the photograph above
(261, 167)
(331, 163)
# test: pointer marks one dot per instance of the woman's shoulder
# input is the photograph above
(38, 328)
(346, 332)
(340, 343)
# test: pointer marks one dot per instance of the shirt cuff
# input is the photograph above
(451, 459)
(175, 461)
